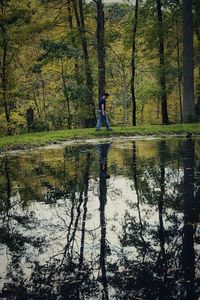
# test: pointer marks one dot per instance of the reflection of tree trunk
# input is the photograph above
(8, 190)
(197, 208)
(71, 233)
(103, 152)
(86, 184)
(188, 232)
(70, 239)
(135, 179)
(71, 215)
(8, 182)
(162, 262)
(102, 199)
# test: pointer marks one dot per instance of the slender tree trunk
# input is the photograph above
(133, 65)
(165, 119)
(198, 82)
(69, 15)
(189, 114)
(43, 100)
(67, 99)
(91, 121)
(179, 73)
(198, 94)
(142, 114)
(4, 79)
(196, 6)
(35, 101)
(100, 47)
(70, 22)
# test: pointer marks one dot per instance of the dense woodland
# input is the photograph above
(58, 56)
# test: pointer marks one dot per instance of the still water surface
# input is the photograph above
(116, 220)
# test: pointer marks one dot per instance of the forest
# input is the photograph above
(58, 56)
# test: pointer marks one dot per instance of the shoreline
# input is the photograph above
(30, 141)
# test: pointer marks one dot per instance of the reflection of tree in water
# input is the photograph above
(64, 273)
(103, 176)
(190, 218)
(158, 257)
(156, 272)
(12, 226)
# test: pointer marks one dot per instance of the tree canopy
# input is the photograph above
(57, 57)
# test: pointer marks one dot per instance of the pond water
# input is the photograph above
(107, 220)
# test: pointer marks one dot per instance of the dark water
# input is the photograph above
(106, 221)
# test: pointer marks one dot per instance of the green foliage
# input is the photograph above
(46, 68)
(57, 50)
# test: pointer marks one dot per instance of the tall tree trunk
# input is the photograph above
(179, 72)
(198, 82)
(88, 72)
(4, 79)
(196, 6)
(100, 47)
(69, 15)
(165, 119)
(133, 65)
(189, 114)
(70, 22)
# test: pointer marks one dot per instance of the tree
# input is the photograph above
(197, 31)
(80, 20)
(189, 114)
(162, 76)
(135, 22)
(13, 16)
(100, 47)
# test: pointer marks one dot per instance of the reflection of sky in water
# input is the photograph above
(50, 222)
(53, 220)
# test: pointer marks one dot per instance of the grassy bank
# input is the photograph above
(24, 141)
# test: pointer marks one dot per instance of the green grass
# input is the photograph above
(29, 140)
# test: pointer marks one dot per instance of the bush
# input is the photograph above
(39, 125)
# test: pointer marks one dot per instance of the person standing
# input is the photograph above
(102, 116)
